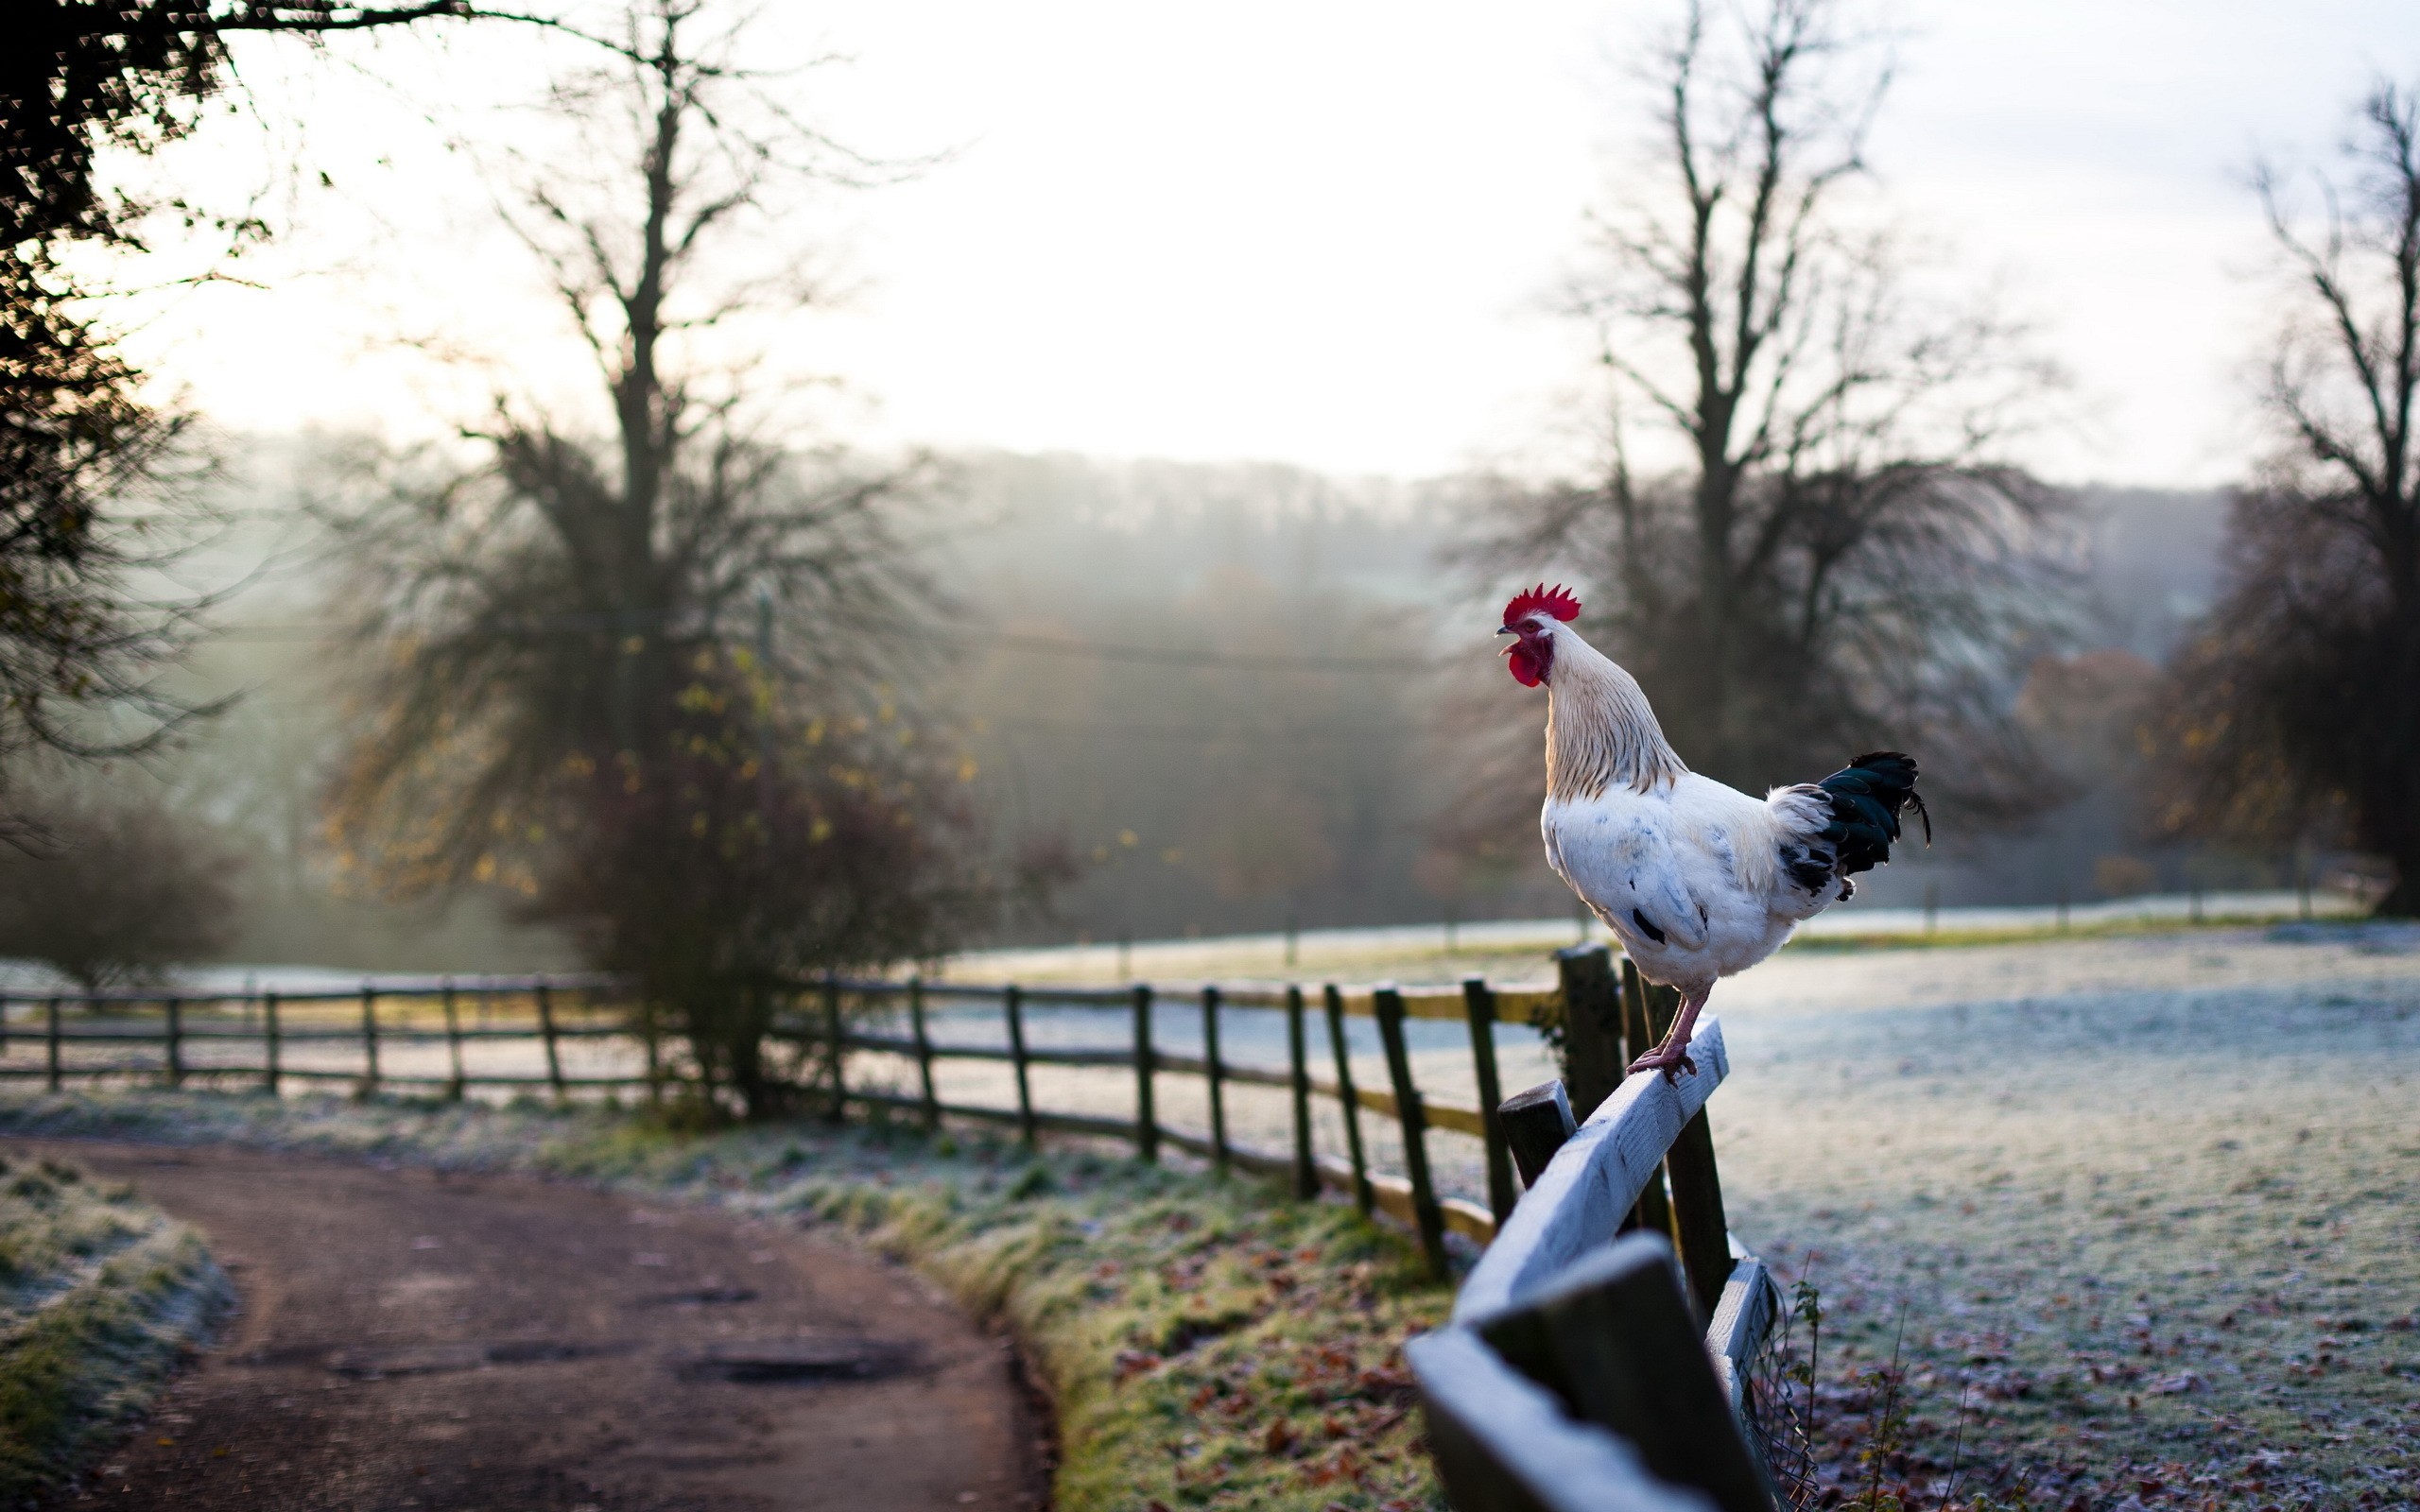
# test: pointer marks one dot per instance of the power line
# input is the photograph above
(973, 636)
(1094, 728)
(1169, 656)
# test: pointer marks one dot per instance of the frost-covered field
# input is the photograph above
(2152, 1205)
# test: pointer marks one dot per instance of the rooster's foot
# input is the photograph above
(1670, 1060)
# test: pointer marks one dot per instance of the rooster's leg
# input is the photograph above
(1671, 1057)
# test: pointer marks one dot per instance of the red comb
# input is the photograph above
(1538, 600)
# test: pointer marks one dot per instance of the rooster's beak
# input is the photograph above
(1507, 631)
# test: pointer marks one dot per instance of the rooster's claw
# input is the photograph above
(1671, 1064)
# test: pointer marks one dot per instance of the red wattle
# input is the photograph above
(1523, 666)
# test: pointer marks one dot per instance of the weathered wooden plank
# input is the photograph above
(1536, 1124)
(1527, 1004)
(1146, 1128)
(1613, 1335)
(1594, 1180)
(921, 1045)
(1479, 1005)
(370, 1038)
(1332, 999)
(1012, 1008)
(1504, 1444)
(1743, 1315)
(546, 1030)
(1698, 1227)
(1427, 1218)
(1228, 1069)
(1645, 1014)
(1592, 1038)
(454, 1046)
(1440, 1115)
(1210, 1074)
(297, 1072)
(1467, 1218)
(1298, 1075)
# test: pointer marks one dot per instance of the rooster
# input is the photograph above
(1698, 880)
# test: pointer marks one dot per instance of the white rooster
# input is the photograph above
(1697, 879)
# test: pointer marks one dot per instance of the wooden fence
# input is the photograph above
(252, 1038)
(103, 1035)
(1601, 1351)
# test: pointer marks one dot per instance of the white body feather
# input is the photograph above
(1697, 879)
(1703, 864)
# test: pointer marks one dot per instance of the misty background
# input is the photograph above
(1121, 643)
(1200, 429)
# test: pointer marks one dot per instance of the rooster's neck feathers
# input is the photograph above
(1599, 729)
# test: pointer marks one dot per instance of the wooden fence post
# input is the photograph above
(369, 1037)
(1147, 1128)
(1654, 1209)
(651, 1037)
(1307, 1172)
(1349, 1099)
(1698, 1225)
(932, 1105)
(50, 1044)
(1478, 1006)
(1013, 1002)
(1536, 1124)
(268, 1023)
(1218, 1088)
(173, 1041)
(1592, 1026)
(1426, 1216)
(546, 1032)
(835, 1050)
(1699, 1228)
(1612, 1335)
(453, 1043)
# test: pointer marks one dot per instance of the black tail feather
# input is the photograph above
(1867, 798)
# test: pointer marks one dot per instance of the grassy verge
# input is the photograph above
(99, 1296)
(1205, 1346)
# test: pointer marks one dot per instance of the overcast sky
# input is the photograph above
(1320, 233)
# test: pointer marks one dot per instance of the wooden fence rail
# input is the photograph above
(200, 1037)
(1600, 1350)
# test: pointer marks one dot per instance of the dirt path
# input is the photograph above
(410, 1339)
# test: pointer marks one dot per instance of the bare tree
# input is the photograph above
(94, 475)
(114, 893)
(646, 673)
(2294, 713)
(1803, 541)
